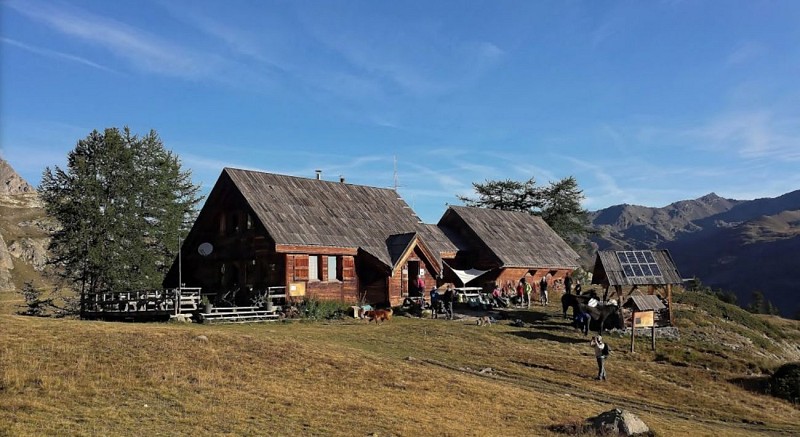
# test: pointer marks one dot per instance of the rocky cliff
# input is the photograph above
(24, 232)
(11, 182)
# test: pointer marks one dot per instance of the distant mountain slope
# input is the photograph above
(737, 245)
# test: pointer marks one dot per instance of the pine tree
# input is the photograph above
(758, 304)
(559, 204)
(122, 203)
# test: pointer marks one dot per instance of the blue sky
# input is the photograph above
(643, 102)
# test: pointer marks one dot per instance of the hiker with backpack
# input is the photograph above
(601, 352)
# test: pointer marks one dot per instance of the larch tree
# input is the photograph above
(122, 203)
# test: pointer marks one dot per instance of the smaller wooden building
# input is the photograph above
(505, 245)
(632, 270)
(641, 303)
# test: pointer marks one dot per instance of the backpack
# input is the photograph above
(606, 350)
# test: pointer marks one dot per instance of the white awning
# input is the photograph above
(466, 275)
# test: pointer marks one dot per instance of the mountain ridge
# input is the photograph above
(741, 246)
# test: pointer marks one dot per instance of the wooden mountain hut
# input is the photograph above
(634, 269)
(310, 237)
(505, 245)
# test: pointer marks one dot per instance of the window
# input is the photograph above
(314, 270)
(333, 271)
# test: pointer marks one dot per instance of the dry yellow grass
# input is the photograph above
(406, 377)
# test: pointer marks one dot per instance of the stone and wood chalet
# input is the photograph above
(339, 241)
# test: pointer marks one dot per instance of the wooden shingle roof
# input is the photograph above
(608, 268)
(312, 212)
(517, 239)
(644, 303)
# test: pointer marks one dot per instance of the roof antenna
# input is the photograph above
(395, 173)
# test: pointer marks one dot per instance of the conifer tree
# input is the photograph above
(122, 203)
(559, 203)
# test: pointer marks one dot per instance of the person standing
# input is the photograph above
(528, 292)
(600, 352)
(543, 291)
(435, 303)
(449, 297)
(421, 286)
(582, 321)
(568, 284)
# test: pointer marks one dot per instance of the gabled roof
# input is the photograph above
(517, 239)
(608, 268)
(644, 303)
(312, 212)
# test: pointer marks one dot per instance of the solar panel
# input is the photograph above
(627, 269)
(638, 263)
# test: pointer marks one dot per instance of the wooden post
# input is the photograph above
(653, 336)
(669, 305)
(633, 328)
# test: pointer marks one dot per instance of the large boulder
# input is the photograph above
(619, 422)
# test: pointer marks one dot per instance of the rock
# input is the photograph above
(11, 182)
(181, 318)
(619, 422)
(201, 339)
(32, 251)
(6, 265)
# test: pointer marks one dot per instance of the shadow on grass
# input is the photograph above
(753, 384)
(526, 315)
(532, 335)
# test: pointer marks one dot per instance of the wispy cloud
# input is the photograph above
(745, 52)
(412, 59)
(753, 134)
(142, 49)
(56, 55)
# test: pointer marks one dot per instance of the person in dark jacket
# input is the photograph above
(449, 297)
(435, 302)
(582, 322)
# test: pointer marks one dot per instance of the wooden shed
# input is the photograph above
(634, 269)
(638, 302)
(329, 240)
(507, 245)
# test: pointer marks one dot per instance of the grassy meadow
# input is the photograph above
(404, 377)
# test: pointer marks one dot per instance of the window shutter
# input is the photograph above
(301, 267)
(348, 268)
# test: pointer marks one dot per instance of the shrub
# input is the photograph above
(316, 309)
(35, 305)
(785, 382)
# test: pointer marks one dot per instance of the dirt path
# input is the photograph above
(559, 388)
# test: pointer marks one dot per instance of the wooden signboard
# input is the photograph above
(296, 289)
(643, 319)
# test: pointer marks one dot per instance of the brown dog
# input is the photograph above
(378, 315)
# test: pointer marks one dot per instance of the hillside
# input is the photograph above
(737, 245)
(404, 377)
(24, 232)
